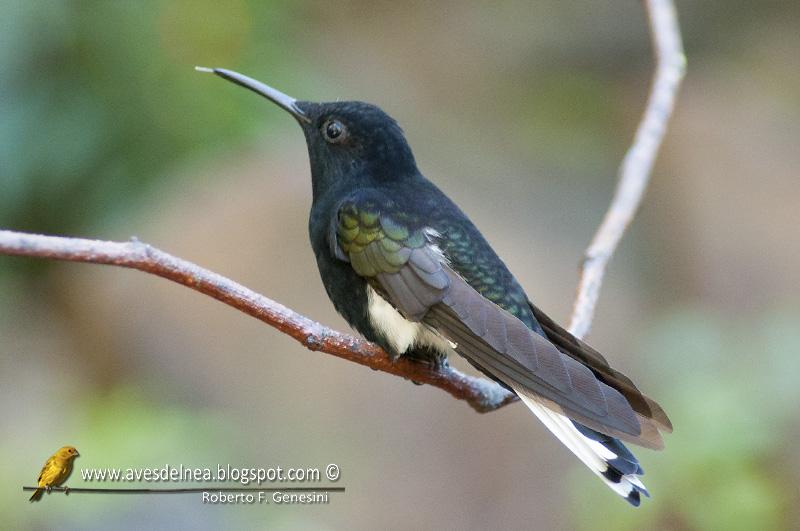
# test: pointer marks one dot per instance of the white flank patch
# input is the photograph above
(592, 453)
(401, 333)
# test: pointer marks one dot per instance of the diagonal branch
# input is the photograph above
(634, 173)
(483, 395)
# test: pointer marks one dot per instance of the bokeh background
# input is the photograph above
(521, 111)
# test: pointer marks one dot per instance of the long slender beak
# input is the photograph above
(286, 102)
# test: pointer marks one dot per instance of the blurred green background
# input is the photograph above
(521, 111)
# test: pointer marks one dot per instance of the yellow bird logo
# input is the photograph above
(55, 471)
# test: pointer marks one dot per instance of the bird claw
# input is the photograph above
(435, 361)
(48, 488)
(440, 363)
(66, 490)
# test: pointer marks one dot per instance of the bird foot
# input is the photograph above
(435, 361)
(66, 490)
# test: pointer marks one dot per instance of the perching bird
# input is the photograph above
(408, 270)
(55, 471)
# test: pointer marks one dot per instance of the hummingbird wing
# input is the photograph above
(399, 256)
(579, 350)
(393, 250)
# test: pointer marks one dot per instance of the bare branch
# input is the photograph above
(634, 173)
(483, 395)
(181, 490)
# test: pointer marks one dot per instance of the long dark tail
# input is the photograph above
(37, 495)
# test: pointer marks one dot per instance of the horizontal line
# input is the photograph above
(188, 490)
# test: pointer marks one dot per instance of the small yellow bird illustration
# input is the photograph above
(55, 471)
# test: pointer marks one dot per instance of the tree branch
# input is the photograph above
(634, 173)
(483, 395)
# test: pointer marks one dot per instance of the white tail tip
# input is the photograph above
(593, 454)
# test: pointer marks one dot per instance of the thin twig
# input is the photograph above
(634, 173)
(185, 490)
(483, 395)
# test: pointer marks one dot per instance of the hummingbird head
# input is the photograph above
(347, 141)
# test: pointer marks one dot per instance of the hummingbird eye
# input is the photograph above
(334, 131)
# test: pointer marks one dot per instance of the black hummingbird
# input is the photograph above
(408, 269)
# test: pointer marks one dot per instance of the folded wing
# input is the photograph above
(399, 257)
